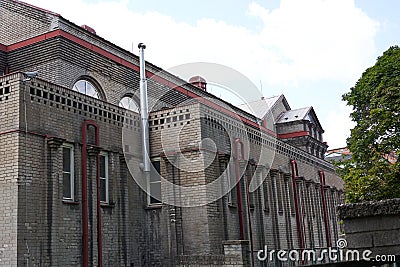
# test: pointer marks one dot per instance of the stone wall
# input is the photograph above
(372, 225)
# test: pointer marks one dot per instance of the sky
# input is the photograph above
(312, 51)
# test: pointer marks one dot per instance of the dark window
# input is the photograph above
(68, 172)
(155, 184)
(104, 178)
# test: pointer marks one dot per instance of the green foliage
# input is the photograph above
(376, 110)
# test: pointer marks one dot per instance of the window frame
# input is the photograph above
(91, 84)
(71, 172)
(228, 176)
(131, 100)
(106, 178)
(149, 183)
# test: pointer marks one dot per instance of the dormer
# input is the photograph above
(301, 128)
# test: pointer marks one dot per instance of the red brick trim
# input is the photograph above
(3, 48)
(33, 40)
(97, 49)
(292, 135)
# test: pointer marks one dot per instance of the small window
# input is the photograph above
(229, 183)
(128, 103)
(155, 184)
(104, 178)
(68, 172)
(87, 88)
(266, 193)
(278, 188)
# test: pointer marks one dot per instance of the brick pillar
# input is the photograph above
(288, 209)
(92, 153)
(54, 197)
(274, 174)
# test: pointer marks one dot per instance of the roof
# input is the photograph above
(37, 8)
(300, 114)
(294, 115)
(259, 108)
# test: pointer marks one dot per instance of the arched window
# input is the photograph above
(128, 103)
(87, 88)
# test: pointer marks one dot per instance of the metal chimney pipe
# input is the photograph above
(144, 111)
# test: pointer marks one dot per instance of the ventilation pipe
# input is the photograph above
(144, 112)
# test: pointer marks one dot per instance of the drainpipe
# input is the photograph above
(85, 226)
(144, 113)
(295, 175)
(326, 219)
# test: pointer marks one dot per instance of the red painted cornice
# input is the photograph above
(117, 59)
(293, 135)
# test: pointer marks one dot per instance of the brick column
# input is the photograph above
(92, 153)
(54, 197)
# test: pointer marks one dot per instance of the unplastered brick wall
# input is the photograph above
(27, 22)
(274, 224)
(49, 232)
(3, 61)
(219, 128)
(9, 168)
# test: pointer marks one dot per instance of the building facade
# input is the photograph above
(70, 160)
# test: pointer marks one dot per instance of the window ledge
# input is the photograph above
(153, 207)
(232, 205)
(70, 202)
(107, 205)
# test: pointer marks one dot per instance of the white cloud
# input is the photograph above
(299, 42)
(338, 125)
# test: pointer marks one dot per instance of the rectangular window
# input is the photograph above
(266, 193)
(278, 187)
(104, 178)
(229, 183)
(68, 172)
(155, 184)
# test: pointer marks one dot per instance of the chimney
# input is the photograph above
(89, 29)
(199, 82)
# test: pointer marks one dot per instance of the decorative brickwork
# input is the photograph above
(192, 135)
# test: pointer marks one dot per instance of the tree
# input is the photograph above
(375, 98)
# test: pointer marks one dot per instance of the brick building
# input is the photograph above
(69, 190)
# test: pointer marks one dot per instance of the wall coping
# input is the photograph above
(369, 209)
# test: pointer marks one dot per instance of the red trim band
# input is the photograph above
(117, 59)
(292, 135)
